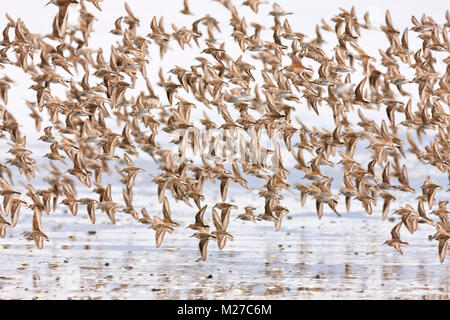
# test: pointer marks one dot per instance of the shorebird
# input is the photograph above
(269, 216)
(186, 10)
(70, 200)
(48, 137)
(157, 34)
(200, 224)
(36, 233)
(348, 191)
(204, 238)
(277, 11)
(253, 4)
(388, 198)
(429, 189)
(146, 219)
(90, 203)
(409, 217)
(403, 179)
(396, 242)
(442, 212)
(161, 228)
(110, 208)
(443, 236)
(167, 219)
(248, 214)
(132, 170)
(127, 195)
(221, 224)
(423, 218)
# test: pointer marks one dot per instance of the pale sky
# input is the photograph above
(38, 18)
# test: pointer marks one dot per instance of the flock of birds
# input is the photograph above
(80, 137)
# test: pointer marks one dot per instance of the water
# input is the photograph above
(332, 258)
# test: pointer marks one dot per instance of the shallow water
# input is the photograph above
(332, 258)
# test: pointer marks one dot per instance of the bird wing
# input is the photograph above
(166, 210)
(216, 220)
(199, 215)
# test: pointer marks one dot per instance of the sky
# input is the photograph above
(306, 13)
